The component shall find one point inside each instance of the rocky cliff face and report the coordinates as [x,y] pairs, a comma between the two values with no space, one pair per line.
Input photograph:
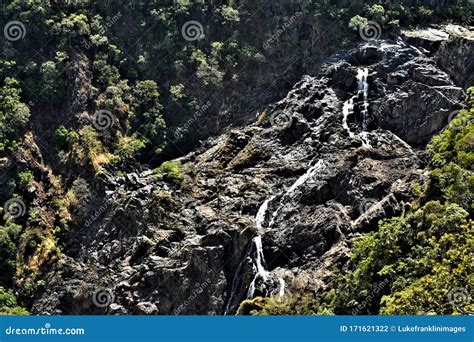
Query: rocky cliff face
[321,166]
[451,48]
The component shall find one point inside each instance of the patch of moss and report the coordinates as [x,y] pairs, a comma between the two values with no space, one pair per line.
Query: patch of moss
[170,171]
[25,178]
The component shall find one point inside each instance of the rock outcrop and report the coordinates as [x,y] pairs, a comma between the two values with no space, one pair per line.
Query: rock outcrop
[451,46]
[153,247]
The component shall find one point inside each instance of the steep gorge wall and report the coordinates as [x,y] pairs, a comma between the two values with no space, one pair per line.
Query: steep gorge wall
[159,248]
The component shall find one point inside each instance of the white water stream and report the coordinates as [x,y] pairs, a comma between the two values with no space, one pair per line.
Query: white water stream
[348,107]
[363,86]
[259,260]
[260,217]
[309,174]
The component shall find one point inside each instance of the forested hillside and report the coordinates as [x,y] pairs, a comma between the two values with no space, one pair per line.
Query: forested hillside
[139,141]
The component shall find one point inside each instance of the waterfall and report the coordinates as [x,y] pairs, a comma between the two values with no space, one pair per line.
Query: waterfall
[348,107]
[259,258]
[309,174]
[261,214]
[259,261]
[363,86]
[362,75]
[281,292]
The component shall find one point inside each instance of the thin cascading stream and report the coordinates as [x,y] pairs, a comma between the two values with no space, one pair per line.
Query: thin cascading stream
[259,258]
[309,174]
[363,86]
[261,215]
[348,107]
[260,218]
[259,261]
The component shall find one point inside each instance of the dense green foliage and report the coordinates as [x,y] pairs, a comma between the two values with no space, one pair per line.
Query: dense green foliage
[136,61]
[420,262]
[422,256]
[8,303]
[290,304]
[14,114]
[9,237]
[170,171]
[410,264]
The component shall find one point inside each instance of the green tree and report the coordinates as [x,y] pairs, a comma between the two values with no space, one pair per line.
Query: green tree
[424,257]
[148,120]
[8,303]
[14,114]
[357,22]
